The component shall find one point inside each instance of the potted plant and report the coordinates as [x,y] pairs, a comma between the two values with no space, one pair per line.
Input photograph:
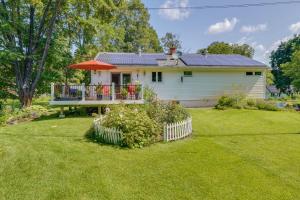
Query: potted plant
[124,93]
[99,89]
[138,89]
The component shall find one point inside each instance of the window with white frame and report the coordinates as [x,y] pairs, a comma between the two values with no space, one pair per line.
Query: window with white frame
[156,76]
[254,73]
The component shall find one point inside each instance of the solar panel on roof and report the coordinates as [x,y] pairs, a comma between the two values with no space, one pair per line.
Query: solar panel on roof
[188,59]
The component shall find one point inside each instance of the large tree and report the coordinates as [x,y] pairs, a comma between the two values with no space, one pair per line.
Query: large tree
[26,31]
[226,48]
[39,38]
[281,55]
[292,69]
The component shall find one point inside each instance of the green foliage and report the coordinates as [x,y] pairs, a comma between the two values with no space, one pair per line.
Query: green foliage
[166,112]
[240,102]
[124,93]
[138,129]
[11,113]
[292,69]
[270,78]
[170,40]
[281,55]
[84,28]
[226,48]
[233,101]
[265,105]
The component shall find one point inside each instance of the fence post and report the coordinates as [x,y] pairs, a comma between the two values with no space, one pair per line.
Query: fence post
[165,132]
[52,91]
[83,92]
[113,91]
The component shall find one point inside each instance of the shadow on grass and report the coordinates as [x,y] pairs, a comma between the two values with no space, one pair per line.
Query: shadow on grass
[90,137]
[55,116]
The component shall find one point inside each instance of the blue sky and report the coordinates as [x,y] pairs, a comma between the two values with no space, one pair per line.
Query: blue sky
[262,27]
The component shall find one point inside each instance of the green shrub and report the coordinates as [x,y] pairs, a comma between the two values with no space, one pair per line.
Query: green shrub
[264,105]
[234,101]
[251,102]
[166,112]
[239,102]
[138,128]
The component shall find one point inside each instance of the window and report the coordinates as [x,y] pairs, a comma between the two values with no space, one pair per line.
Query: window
[153,76]
[258,73]
[156,76]
[159,76]
[126,79]
[249,73]
[187,73]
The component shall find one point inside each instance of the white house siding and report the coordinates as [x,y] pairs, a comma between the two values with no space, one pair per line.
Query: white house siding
[203,88]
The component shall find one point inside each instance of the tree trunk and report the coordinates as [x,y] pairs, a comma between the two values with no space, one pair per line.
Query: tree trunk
[25,99]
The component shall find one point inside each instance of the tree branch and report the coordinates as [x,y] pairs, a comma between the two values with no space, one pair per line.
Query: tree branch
[41,25]
[47,45]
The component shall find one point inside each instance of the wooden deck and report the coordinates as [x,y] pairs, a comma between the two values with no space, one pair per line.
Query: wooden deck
[94,102]
[93,95]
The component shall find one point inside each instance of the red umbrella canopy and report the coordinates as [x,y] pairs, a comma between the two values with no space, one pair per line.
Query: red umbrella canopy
[93,65]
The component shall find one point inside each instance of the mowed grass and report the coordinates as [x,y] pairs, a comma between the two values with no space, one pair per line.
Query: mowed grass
[233,154]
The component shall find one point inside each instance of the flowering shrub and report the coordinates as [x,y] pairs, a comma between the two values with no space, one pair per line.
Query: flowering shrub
[138,128]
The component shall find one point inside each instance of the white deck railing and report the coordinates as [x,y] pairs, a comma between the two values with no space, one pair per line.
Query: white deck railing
[178,130]
[106,135]
[62,92]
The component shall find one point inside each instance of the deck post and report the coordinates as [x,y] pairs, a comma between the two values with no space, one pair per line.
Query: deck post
[113,91]
[61,115]
[52,91]
[83,92]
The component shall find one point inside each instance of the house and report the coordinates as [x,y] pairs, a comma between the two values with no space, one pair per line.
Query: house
[272,91]
[191,79]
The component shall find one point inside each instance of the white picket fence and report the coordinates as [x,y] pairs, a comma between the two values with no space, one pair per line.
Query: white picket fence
[107,135]
[178,130]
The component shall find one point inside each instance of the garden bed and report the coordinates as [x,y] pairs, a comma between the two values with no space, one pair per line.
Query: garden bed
[141,125]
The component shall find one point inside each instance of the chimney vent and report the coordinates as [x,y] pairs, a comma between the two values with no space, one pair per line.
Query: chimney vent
[172,50]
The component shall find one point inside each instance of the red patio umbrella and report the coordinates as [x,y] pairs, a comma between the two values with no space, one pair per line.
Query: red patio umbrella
[93,65]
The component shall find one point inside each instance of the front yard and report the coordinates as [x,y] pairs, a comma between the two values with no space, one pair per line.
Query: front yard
[233,154]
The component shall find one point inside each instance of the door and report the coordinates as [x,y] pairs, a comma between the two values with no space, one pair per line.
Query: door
[116,79]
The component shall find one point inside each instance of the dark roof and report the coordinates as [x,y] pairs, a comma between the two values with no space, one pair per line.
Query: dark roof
[130,58]
[151,59]
[272,89]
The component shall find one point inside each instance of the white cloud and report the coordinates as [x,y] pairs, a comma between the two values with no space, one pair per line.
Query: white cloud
[245,40]
[275,45]
[267,53]
[175,14]
[253,29]
[221,27]
[295,28]
[259,48]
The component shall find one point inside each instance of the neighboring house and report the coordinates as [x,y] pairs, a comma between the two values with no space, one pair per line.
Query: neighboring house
[272,91]
[191,79]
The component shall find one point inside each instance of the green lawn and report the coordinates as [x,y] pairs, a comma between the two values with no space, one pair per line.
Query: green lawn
[234,154]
